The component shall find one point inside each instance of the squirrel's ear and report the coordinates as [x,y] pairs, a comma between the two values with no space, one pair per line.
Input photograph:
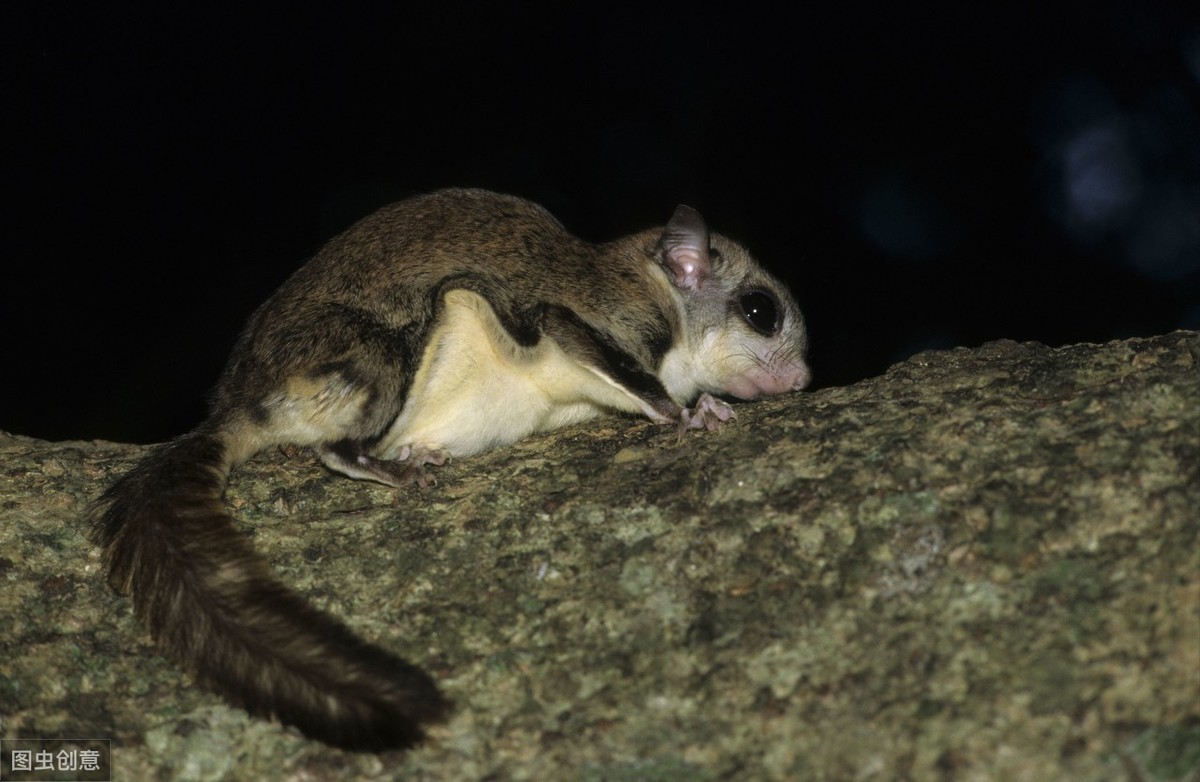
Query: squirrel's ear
[685,249]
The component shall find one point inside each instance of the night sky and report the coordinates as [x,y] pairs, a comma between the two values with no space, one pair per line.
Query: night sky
[923,175]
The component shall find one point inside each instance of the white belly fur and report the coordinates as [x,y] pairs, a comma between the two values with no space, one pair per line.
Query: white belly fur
[477,389]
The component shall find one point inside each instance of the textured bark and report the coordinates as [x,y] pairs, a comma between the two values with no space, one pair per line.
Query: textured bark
[982,565]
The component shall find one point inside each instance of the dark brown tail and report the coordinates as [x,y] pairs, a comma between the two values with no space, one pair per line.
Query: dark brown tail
[214,606]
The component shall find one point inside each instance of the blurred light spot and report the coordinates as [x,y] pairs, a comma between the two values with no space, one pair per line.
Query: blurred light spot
[1125,180]
[1101,176]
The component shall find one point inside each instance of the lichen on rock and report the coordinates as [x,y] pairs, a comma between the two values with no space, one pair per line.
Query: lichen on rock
[983,564]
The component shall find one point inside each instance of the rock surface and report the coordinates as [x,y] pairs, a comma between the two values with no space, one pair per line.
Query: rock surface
[983,564]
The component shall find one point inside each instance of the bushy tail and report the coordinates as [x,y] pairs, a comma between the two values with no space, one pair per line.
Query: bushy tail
[213,605]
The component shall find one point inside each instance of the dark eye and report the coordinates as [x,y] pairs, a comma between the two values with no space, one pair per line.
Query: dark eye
[761,311]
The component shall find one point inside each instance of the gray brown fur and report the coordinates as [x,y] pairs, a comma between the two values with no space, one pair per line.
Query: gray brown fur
[331,361]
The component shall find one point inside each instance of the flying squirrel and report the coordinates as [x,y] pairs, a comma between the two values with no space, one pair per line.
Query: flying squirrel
[437,327]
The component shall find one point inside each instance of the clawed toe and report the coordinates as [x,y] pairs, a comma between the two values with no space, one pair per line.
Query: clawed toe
[413,468]
[709,413]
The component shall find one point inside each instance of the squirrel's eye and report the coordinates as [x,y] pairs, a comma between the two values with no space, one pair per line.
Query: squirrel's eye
[761,311]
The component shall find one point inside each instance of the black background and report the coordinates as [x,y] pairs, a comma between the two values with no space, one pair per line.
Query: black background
[922,174]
